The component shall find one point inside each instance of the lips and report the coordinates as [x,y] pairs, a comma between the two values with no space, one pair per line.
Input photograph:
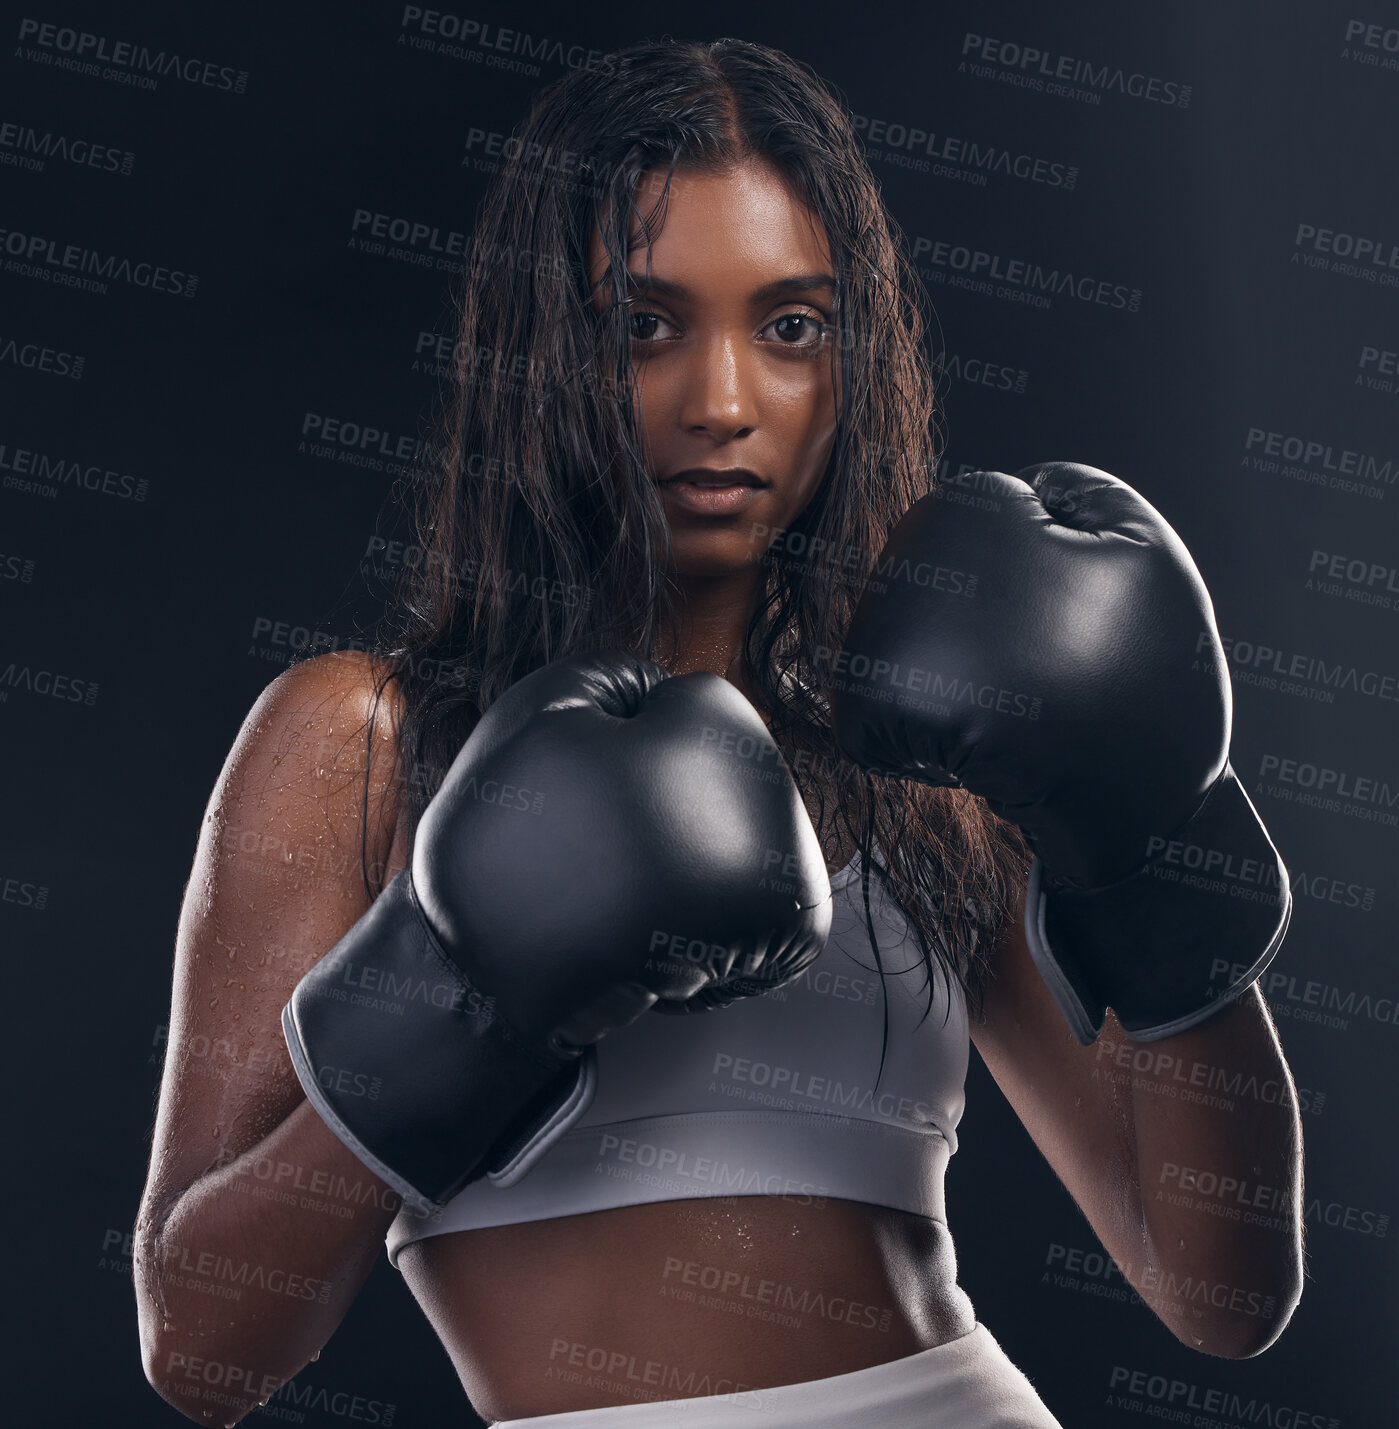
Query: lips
[711,478]
[706,492]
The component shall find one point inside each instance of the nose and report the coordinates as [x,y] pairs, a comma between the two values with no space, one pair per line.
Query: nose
[720,396]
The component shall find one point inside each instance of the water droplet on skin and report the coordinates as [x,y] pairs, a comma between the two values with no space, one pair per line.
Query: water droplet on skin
[213,1002]
[316,1356]
[218,1131]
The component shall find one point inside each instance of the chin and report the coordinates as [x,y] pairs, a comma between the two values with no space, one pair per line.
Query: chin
[718,554]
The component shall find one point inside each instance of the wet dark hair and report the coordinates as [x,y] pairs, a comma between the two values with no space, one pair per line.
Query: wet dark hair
[539,530]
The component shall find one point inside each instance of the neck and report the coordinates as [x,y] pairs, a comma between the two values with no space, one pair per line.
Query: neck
[712,615]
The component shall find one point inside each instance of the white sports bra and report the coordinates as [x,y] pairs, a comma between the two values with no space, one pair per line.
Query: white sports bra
[772,1095]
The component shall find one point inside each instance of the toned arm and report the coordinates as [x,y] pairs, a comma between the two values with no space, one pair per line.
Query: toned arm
[247,1190]
[1159,1143]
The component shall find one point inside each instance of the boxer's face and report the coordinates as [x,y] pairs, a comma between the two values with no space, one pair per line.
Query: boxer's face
[734,368]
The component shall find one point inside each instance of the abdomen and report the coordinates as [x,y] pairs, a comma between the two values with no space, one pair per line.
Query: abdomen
[675,1299]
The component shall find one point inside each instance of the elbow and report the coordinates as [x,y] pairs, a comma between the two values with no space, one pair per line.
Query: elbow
[1253,1324]
[1234,1339]
[202,1386]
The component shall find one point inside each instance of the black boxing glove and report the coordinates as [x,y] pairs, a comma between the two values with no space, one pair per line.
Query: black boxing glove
[1066,666]
[600,843]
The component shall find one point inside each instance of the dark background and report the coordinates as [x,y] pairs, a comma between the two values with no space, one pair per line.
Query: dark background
[161,598]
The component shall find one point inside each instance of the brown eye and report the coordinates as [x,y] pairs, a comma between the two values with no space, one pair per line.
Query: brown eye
[642,326]
[799,330]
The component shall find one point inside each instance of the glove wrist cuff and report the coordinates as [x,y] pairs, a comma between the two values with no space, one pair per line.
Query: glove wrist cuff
[415,1069]
[1173,943]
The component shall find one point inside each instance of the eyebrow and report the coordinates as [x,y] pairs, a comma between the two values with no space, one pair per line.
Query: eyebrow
[638,283]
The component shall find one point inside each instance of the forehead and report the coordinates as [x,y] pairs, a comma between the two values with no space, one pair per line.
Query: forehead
[742,221]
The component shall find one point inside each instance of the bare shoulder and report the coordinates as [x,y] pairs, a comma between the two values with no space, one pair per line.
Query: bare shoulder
[335,696]
[308,802]
[319,749]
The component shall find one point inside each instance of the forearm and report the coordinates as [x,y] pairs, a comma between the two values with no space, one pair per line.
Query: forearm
[244,1277]
[1218,1172]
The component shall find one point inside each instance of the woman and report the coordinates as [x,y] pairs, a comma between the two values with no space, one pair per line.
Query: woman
[690,405]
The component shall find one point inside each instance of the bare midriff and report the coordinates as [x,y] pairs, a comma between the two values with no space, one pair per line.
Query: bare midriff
[680,1298]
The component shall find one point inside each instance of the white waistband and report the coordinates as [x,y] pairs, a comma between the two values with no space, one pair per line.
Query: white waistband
[968,1383]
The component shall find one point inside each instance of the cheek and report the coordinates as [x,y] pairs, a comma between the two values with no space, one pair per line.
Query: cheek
[807,401]
[653,404]
[809,420]
[817,440]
